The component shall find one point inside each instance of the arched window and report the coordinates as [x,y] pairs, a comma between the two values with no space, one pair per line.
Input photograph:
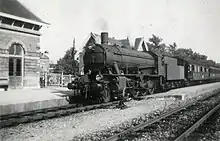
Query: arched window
[16,53]
[16,49]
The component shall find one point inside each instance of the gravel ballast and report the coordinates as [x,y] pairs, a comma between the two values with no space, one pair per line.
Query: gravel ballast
[209,131]
[67,128]
[171,127]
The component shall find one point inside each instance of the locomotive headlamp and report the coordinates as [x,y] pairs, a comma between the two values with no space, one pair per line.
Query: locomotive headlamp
[98,77]
[73,79]
[90,47]
[99,85]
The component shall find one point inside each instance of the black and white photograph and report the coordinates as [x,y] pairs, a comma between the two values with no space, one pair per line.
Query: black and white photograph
[109,70]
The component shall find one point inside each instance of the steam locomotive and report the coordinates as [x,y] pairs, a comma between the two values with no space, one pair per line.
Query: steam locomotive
[112,71]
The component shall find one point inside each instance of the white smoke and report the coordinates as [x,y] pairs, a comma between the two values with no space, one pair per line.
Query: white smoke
[101,24]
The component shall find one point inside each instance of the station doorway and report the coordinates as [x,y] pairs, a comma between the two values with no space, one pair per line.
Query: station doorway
[16,67]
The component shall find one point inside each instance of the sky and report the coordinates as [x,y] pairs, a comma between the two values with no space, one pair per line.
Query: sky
[190,23]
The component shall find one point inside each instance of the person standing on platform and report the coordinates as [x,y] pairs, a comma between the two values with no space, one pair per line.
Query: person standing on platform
[122,85]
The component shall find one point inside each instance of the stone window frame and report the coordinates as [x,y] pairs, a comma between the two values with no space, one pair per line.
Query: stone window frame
[15,41]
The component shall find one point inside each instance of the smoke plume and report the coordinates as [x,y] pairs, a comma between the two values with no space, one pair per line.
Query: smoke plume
[101,24]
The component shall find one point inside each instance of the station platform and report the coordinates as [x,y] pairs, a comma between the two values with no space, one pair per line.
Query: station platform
[188,92]
[13,101]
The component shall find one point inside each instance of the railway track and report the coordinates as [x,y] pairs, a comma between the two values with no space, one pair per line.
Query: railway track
[190,130]
[209,130]
[48,113]
[173,125]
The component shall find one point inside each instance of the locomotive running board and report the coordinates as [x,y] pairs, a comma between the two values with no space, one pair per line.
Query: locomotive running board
[131,75]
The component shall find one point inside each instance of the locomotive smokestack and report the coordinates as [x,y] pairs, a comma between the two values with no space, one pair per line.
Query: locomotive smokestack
[104,38]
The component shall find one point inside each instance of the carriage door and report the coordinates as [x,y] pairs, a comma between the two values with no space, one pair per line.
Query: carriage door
[15,66]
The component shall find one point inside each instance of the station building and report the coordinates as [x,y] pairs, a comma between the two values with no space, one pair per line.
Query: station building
[19,45]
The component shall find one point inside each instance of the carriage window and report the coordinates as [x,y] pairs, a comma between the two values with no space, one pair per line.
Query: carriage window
[190,67]
[193,68]
[201,70]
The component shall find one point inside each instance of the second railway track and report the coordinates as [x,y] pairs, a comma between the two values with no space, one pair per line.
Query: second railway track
[170,125]
[194,126]
[209,130]
[41,114]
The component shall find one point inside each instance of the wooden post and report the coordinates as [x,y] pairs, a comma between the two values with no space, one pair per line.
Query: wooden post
[45,79]
[62,79]
[70,78]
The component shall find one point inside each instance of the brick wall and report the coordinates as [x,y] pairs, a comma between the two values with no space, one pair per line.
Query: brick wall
[31,62]
[31,73]
[44,65]
[4,67]
[29,41]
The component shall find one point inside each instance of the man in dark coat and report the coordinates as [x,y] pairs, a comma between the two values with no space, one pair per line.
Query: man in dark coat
[122,87]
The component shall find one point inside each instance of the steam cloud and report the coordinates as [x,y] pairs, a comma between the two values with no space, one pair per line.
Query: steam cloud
[101,24]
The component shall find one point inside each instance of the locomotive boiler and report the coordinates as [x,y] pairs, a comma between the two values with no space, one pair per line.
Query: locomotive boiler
[116,58]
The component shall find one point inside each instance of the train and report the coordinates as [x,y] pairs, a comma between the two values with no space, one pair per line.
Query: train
[111,71]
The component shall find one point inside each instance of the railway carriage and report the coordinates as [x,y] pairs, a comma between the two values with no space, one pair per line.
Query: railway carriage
[197,71]
[111,71]
[214,73]
[200,72]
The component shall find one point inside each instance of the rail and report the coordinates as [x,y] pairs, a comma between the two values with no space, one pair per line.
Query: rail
[197,124]
[41,114]
[150,122]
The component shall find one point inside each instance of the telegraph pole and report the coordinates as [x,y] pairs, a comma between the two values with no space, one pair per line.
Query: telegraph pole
[73,50]
[73,55]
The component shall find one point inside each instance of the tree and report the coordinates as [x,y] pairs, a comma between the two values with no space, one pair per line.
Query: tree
[188,53]
[155,40]
[185,53]
[155,44]
[203,57]
[68,64]
[198,56]
[172,48]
